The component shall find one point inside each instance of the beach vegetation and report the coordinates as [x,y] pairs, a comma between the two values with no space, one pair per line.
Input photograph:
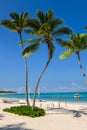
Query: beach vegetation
[26,111]
[7,91]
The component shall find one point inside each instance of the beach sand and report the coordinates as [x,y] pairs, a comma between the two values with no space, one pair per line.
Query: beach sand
[58,117]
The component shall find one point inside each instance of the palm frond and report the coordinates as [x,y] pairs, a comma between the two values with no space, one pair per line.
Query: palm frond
[31,31]
[30,49]
[84,46]
[55,22]
[49,15]
[31,40]
[79,41]
[83,43]
[23,19]
[66,54]
[33,24]
[86,27]
[68,44]
[62,30]
[44,29]
[24,15]
[60,42]
[83,36]
[41,16]
[8,24]
[14,16]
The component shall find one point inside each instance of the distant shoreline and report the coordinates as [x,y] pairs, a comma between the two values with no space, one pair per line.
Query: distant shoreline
[7,92]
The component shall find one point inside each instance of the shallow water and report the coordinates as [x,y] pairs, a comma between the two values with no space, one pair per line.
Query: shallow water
[64,96]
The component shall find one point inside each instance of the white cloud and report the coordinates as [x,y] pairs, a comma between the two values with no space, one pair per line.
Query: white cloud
[21,89]
[74,84]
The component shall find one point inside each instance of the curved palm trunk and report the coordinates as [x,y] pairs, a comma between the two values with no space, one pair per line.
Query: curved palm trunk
[81,67]
[38,81]
[26,82]
[26,71]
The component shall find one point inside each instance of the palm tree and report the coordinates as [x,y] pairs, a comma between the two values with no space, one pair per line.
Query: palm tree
[17,24]
[47,29]
[76,44]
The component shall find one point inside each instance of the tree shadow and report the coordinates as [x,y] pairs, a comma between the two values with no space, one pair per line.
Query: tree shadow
[84,109]
[75,113]
[1,116]
[14,127]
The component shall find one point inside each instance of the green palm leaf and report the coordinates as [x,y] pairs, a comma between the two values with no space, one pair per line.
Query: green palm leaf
[55,22]
[66,54]
[17,22]
[59,41]
[83,35]
[62,30]
[31,40]
[33,24]
[30,49]
[49,15]
[85,27]
[14,15]
[84,46]
[41,16]
[9,24]
[16,19]
[44,29]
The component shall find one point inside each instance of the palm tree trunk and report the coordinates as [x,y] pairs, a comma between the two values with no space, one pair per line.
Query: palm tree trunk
[26,71]
[81,67]
[38,81]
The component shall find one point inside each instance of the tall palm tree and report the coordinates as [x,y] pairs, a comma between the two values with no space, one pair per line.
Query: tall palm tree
[17,23]
[76,44]
[47,29]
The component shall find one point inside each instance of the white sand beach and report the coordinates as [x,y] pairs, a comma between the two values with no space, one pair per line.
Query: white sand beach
[56,118]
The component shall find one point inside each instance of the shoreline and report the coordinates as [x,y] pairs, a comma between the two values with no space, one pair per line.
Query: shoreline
[41,100]
[43,103]
[55,96]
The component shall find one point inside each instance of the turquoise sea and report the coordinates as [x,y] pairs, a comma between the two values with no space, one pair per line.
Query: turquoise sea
[63,96]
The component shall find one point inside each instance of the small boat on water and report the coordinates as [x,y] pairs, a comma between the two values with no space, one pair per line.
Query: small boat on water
[76,96]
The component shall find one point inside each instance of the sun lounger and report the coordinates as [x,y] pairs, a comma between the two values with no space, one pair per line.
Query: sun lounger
[10,100]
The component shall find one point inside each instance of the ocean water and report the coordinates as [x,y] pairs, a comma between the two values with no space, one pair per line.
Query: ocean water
[64,96]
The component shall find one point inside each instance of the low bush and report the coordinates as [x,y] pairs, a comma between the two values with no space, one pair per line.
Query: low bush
[26,110]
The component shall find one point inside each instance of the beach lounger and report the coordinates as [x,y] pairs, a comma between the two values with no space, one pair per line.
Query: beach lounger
[10,100]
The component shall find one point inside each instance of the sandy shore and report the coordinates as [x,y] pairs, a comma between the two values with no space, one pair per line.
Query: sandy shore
[58,117]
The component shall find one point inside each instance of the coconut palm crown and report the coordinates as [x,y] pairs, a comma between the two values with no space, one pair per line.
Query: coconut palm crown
[16,24]
[47,28]
[75,44]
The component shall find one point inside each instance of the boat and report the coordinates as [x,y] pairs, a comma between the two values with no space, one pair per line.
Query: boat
[76,96]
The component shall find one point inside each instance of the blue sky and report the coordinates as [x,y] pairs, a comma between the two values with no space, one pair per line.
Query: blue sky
[60,76]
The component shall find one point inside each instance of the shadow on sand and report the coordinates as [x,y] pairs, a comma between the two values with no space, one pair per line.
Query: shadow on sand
[75,113]
[1,116]
[14,127]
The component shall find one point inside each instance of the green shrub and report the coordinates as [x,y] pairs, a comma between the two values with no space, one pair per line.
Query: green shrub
[26,110]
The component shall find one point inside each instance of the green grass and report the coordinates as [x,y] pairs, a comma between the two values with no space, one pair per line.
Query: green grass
[25,110]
